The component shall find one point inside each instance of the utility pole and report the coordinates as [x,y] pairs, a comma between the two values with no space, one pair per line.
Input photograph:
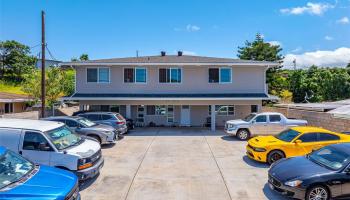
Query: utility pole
[295,64]
[43,44]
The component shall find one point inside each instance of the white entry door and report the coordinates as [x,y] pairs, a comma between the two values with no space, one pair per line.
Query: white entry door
[185,115]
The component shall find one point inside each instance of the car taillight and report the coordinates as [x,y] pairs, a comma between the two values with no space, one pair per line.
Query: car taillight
[120,123]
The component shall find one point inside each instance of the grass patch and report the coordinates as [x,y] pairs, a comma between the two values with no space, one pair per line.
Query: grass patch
[10,88]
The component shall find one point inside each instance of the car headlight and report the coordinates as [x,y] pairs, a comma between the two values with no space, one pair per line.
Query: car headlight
[84,163]
[231,126]
[294,183]
[109,132]
[257,149]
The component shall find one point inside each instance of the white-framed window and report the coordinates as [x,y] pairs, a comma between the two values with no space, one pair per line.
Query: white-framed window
[135,75]
[156,110]
[220,75]
[98,75]
[170,75]
[223,110]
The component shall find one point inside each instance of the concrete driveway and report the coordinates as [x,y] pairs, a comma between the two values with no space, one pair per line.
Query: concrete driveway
[178,163]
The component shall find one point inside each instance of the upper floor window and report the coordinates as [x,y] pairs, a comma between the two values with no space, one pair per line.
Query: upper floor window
[135,75]
[220,75]
[98,75]
[170,75]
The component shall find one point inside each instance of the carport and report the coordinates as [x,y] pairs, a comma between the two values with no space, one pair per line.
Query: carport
[175,109]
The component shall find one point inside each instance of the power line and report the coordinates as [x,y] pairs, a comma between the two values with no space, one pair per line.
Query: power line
[52,57]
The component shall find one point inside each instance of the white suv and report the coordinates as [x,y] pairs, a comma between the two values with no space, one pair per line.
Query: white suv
[53,144]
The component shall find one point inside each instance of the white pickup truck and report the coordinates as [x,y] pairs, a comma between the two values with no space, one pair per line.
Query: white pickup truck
[266,123]
[53,144]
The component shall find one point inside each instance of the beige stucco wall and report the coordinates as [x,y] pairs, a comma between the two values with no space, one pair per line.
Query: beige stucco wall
[245,79]
[198,114]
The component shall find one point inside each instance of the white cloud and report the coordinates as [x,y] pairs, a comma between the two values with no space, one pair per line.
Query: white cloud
[189,53]
[329,38]
[344,20]
[310,8]
[298,49]
[192,28]
[275,43]
[337,58]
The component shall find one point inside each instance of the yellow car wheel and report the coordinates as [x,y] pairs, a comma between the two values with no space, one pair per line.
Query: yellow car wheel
[275,155]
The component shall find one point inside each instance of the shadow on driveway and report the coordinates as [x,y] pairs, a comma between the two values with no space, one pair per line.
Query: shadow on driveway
[85,184]
[173,131]
[270,194]
[254,163]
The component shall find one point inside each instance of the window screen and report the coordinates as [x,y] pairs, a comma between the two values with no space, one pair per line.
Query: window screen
[92,75]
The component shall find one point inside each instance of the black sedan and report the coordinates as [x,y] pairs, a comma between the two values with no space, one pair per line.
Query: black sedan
[321,175]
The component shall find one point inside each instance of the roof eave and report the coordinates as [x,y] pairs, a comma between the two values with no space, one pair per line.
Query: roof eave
[264,64]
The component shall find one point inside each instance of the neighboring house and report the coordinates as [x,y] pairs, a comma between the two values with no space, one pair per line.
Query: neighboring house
[172,89]
[48,63]
[13,103]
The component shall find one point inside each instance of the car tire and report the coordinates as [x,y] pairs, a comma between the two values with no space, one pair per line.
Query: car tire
[243,134]
[318,191]
[275,155]
[96,138]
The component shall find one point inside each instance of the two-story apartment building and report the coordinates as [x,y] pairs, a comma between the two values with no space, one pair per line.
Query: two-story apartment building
[172,90]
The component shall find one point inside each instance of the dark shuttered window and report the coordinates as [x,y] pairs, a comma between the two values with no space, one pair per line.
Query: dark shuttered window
[129,75]
[92,75]
[213,75]
[162,75]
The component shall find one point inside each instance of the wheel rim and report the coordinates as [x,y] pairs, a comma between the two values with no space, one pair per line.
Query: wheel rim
[243,134]
[275,157]
[318,193]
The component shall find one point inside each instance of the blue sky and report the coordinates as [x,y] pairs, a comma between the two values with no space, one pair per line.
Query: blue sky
[115,28]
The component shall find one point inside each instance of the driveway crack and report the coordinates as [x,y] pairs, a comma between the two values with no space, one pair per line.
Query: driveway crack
[216,162]
[138,168]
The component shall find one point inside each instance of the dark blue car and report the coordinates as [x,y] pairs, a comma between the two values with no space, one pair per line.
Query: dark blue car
[322,175]
[21,179]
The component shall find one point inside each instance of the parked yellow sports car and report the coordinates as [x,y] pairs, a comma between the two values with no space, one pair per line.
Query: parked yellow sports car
[296,141]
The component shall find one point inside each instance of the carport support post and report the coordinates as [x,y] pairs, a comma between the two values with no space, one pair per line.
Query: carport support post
[212,117]
[128,111]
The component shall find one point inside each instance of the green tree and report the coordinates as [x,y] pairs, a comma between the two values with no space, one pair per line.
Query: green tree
[84,57]
[263,51]
[56,84]
[15,60]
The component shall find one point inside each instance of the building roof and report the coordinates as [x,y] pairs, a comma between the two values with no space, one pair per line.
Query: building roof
[9,97]
[39,125]
[340,109]
[167,96]
[172,59]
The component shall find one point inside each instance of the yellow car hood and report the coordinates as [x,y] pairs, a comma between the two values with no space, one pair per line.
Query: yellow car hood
[262,141]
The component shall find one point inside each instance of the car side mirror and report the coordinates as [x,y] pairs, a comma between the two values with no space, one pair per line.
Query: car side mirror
[298,141]
[254,121]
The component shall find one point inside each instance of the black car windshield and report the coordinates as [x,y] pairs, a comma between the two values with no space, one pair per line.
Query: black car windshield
[63,137]
[330,157]
[13,168]
[287,135]
[86,123]
[249,117]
